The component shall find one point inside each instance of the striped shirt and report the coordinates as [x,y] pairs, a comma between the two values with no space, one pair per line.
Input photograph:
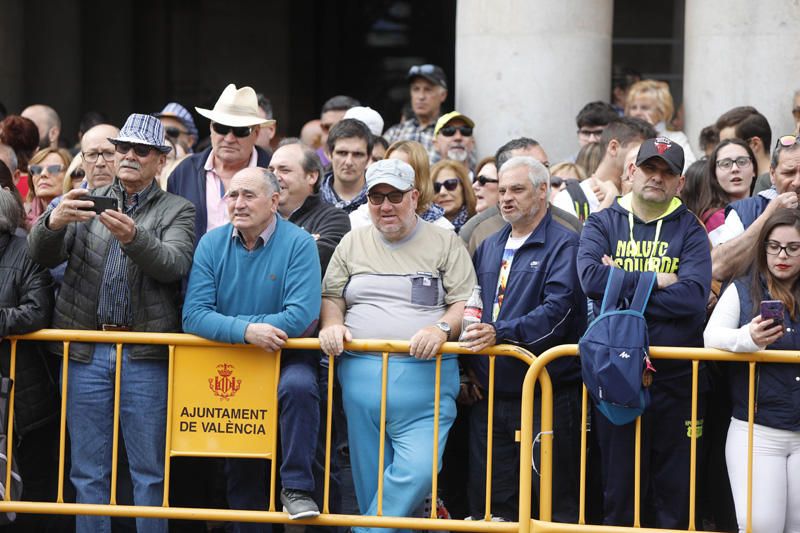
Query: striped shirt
[114,304]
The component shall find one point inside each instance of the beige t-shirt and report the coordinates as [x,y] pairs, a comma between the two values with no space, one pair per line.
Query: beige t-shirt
[392,290]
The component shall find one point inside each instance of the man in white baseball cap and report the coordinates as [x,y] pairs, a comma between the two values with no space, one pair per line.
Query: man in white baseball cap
[203,178]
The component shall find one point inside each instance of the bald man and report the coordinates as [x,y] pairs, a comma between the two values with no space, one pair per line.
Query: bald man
[48,123]
[98,155]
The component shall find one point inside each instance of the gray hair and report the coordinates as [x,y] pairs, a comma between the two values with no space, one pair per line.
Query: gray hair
[270,181]
[779,149]
[11,156]
[537,172]
[11,213]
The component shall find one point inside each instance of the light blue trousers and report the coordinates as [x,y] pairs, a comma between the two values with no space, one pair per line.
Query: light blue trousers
[408,452]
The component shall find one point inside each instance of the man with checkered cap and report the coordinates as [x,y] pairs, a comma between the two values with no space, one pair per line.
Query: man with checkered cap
[179,125]
[650,230]
[124,272]
[399,278]
[203,178]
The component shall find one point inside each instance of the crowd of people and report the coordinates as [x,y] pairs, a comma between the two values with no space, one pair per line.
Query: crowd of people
[354,231]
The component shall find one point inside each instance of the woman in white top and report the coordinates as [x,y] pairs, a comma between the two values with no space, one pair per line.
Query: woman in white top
[737,325]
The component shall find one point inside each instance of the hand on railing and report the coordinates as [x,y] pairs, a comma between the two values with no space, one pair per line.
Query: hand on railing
[427,342]
[332,339]
[266,336]
[478,337]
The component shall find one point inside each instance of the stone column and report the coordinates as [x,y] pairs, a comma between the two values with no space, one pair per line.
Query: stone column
[741,53]
[526,68]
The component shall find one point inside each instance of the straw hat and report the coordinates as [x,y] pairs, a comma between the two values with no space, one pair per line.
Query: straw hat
[236,107]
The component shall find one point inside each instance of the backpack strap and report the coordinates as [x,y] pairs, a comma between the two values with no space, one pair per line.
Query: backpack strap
[644,288]
[613,287]
[579,200]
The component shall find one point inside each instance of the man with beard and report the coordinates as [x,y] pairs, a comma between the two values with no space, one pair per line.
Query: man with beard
[453,140]
[47,122]
[532,298]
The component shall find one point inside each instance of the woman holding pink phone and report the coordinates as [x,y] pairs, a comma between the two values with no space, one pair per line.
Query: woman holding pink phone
[739,323]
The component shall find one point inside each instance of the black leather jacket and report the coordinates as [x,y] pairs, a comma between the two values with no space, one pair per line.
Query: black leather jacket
[26,304]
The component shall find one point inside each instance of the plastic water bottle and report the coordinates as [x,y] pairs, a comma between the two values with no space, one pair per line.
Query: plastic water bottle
[473,311]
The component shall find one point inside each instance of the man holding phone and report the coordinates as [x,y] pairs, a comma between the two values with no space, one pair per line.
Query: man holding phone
[124,272]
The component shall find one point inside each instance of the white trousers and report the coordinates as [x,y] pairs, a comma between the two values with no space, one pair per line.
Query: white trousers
[776,477]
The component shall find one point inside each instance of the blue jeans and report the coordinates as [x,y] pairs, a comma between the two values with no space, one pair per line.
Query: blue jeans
[298,399]
[90,419]
[408,453]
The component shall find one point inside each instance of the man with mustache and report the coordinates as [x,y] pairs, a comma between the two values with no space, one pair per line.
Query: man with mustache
[124,272]
[650,230]
[453,139]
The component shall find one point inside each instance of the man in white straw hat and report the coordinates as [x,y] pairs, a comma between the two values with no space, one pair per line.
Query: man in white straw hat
[124,269]
[203,178]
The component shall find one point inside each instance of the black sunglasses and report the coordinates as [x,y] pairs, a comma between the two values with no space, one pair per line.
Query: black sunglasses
[238,131]
[142,150]
[377,198]
[174,132]
[449,184]
[78,173]
[555,181]
[483,180]
[449,131]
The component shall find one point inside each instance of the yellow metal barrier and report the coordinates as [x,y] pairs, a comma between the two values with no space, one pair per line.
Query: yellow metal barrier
[181,445]
[537,372]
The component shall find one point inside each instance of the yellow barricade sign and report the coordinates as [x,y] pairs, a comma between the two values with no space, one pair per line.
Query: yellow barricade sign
[224,401]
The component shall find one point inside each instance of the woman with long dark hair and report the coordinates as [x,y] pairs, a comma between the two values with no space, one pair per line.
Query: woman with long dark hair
[738,324]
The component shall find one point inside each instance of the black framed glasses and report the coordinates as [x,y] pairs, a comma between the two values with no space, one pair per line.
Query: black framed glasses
[483,180]
[449,131]
[141,150]
[792,249]
[174,132]
[449,184]
[91,157]
[741,162]
[35,170]
[377,198]
[238,131]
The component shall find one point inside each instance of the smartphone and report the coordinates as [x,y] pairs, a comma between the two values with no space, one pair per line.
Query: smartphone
[772,309]
[101,203]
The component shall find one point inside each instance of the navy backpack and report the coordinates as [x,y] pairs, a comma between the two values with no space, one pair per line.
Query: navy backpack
[614,351]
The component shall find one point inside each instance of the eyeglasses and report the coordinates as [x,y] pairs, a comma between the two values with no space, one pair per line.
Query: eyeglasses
[35,170]
[796,112]
[483,180]
[792,249]
[174,132]
[77,174]
[449,131]
[238,131]
[395,197]
[91,157]
[449,184]
[141,150]
[416,70]
[740,162]
[788,140]
[590,133]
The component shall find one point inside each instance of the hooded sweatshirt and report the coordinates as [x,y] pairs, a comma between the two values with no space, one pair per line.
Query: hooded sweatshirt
[673,243]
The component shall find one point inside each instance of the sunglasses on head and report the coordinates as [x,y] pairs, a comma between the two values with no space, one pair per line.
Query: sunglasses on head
[142,150]
[377,198]
[421,69]
[51,169]
[174,132]
[449,131]
[788,140]
[483,180]
[449,184]
[238,131]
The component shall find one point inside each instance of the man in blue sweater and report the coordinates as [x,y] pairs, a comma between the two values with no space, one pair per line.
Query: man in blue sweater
[531,297]
[650,230]
[256,280]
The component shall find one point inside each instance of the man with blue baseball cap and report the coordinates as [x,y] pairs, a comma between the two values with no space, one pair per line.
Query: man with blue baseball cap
[179,125]
[124,272]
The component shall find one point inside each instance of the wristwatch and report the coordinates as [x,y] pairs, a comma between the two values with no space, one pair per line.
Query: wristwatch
[444,326]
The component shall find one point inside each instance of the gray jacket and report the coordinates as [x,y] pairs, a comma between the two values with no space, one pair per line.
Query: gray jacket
[159,257]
